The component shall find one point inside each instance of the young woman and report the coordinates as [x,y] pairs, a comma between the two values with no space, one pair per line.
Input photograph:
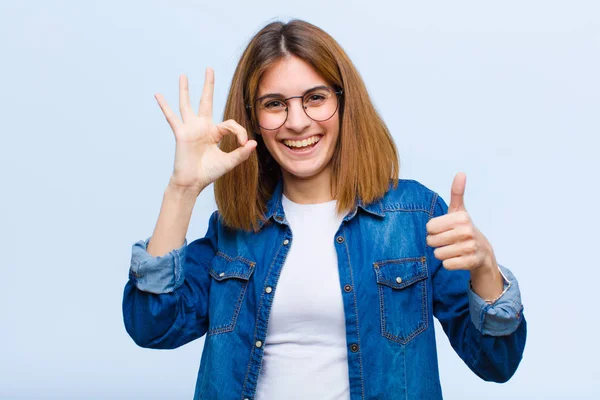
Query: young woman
[321,271]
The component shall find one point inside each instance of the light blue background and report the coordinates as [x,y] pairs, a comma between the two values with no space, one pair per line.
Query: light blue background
[508,92]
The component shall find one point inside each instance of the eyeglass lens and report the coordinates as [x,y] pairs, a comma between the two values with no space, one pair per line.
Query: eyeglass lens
[319,104]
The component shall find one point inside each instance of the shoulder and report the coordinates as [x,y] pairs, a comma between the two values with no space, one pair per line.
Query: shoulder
[409,195]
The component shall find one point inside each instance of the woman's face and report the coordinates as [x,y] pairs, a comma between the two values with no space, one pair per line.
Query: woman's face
[293,77]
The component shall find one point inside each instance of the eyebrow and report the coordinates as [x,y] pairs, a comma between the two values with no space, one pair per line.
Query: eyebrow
[279,95]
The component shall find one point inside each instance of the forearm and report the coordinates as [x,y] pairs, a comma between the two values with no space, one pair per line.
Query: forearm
[173,220]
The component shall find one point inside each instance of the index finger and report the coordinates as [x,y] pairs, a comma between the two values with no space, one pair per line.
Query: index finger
[440,224]
[206,101]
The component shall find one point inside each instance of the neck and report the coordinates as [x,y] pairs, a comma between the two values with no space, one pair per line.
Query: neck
[313,190]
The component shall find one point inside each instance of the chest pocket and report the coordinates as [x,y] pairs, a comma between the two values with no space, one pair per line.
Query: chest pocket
[227,290]
[402,289]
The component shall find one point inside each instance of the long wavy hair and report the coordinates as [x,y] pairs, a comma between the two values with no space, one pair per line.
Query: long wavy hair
[365,157]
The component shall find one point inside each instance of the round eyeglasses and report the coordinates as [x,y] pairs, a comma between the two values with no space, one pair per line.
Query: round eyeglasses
[319,104]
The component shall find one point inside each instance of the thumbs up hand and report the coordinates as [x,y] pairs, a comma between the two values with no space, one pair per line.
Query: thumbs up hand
[458,243]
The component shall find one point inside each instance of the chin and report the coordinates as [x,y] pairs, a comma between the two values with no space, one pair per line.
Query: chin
[304,173]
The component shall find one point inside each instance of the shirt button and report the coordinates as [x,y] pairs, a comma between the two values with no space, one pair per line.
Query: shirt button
[258,343]
[222,274]
[340,239]
[398,279]
[279,219]
[354,347]
[268,289]
[286,242]
[348,288]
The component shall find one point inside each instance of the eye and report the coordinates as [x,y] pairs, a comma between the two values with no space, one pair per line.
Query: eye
[274,105]
[315,99]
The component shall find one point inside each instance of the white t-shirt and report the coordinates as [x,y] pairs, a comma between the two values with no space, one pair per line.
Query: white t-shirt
[305,351]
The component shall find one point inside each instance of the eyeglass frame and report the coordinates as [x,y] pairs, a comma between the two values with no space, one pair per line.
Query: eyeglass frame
[338,93]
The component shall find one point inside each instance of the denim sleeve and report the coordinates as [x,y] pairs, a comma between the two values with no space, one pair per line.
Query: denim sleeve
[165,300]
[490,339]
[156,274]
[503,316]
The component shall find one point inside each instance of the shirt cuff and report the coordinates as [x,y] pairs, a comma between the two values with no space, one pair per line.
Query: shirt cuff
[157,275]
[502,316]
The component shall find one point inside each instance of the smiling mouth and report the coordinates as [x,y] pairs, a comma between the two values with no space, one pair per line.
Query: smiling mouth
[302,144]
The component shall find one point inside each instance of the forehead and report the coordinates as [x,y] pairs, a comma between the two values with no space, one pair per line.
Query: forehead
[290,76]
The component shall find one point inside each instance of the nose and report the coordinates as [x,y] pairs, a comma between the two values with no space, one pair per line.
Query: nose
[297,120]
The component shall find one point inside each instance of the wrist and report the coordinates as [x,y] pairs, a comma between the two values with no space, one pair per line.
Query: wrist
[182,193]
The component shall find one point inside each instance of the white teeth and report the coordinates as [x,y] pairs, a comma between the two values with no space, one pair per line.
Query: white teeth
[303,143]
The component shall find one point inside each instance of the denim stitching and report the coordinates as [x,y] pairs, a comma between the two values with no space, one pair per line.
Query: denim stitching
[399,260]
[229,327]
[404,369]
[222,328]
[433,203]
[381,304]
[177,267]
[242,276]
[398,207]
[256,324]
[420,278]
[362,380]
[229,258]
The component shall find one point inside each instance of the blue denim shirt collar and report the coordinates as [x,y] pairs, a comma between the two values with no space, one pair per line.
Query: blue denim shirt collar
[275,207]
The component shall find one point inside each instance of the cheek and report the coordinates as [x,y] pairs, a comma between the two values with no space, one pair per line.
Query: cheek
[332,127]
[269,141]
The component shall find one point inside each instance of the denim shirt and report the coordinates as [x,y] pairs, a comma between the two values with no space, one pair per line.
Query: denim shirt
[392,286]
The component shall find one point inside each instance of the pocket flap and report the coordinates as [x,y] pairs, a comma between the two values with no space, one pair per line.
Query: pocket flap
[400,273]
[224,267]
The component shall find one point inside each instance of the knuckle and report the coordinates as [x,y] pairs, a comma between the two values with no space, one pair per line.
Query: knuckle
[470,231]
[473,260]
[472,247]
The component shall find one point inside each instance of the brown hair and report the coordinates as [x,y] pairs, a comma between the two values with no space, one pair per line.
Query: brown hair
[365,157]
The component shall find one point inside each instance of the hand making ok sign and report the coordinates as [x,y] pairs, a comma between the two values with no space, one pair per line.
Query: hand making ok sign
[198,159]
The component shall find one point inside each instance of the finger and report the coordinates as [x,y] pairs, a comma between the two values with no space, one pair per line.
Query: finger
[231,126]
[185,107]
[460,249]
[447,222]
[457,202]
[166,110]
[241,154]
[448,237]
[464,262]
[206,101]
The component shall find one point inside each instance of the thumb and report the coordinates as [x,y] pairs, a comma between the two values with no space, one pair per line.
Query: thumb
[457,201]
